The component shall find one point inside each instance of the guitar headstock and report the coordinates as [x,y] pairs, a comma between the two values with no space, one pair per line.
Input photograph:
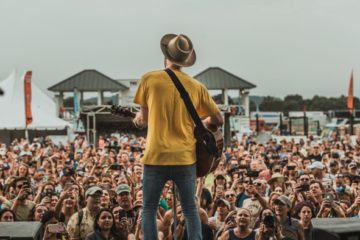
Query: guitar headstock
[121,111]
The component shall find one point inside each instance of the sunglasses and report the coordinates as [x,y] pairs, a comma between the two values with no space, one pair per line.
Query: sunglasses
[229,195]
[304,179]
[247,182]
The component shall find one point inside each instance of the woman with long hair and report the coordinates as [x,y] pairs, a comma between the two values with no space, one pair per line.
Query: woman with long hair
[105,227]
[7,215]
[23,170]
[305,211]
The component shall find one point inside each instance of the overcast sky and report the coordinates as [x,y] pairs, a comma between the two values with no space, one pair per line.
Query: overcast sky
[285,47]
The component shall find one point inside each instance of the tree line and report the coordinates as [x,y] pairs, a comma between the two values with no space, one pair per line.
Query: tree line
[298,103]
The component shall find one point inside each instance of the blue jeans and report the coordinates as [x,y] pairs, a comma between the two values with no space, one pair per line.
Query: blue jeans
[154,180]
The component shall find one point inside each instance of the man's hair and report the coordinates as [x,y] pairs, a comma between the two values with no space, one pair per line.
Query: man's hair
[18,179]
[173,64]
[318,182]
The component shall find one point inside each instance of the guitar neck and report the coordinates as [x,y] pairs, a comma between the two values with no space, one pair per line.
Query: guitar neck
[122,111]
[132,114]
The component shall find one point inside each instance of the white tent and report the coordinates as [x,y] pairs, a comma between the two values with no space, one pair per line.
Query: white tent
[12,110]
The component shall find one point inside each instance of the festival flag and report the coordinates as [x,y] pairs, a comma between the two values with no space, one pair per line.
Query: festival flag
[76,103]
[350,100]
[27,94]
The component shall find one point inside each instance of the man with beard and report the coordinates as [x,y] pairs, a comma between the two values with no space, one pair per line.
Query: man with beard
[21,205]
[242,231]
[124,199]
[82,223]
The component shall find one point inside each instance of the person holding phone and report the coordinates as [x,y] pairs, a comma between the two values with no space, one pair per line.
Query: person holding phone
[124,199]
[20,205]
[53,229]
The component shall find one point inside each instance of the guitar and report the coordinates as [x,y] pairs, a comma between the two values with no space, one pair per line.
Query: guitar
[206,162]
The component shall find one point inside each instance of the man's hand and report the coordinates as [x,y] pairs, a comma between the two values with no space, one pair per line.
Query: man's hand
[23,193]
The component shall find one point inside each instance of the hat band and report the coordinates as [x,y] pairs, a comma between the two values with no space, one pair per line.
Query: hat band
[178,55]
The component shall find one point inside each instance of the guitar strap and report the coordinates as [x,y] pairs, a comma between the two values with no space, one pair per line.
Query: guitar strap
[188,103]
[202,133]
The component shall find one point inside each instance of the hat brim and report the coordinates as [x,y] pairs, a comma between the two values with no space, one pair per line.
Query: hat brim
[92,193]
[163,45]
[279,201]
[123,191]
[276,179]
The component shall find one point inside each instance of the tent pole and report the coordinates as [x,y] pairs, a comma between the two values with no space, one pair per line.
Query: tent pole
[26,133]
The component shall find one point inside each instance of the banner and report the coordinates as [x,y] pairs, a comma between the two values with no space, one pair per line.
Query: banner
[76,104]
[27,94]
[350,100]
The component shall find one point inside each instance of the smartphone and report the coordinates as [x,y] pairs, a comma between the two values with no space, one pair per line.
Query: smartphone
[329,198]
[253,174]
[56,228]
[269,221]
[122,214]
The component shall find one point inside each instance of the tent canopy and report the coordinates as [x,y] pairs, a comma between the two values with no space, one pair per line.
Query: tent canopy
[13,109]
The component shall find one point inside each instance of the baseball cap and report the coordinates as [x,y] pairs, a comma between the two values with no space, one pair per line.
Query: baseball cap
[227,204]
[317,165]
[92,190]
[23,153]
[352,165]
[122,188]
[284,200]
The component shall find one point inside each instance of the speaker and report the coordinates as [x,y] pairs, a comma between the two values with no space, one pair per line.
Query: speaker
[336,228]
[20,230]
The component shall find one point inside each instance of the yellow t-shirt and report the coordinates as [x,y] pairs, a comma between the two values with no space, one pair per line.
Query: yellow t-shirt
[170,137]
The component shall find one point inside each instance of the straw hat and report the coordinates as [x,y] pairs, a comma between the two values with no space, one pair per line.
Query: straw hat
[178,49]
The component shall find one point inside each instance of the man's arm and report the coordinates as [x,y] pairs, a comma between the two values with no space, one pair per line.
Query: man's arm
[141,118]
[216,119]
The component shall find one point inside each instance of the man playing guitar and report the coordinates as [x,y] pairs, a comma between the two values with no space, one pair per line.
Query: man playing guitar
[170,148]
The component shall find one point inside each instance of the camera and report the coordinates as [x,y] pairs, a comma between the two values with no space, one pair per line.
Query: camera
[290,167]
[122,214]
[269,221]
[304,188]
[329,198]
[48,194]
[252,174]
[26,185]
[115,167]
[68,172]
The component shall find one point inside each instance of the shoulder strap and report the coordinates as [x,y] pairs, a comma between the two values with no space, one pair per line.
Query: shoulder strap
[188,103]
[80,218]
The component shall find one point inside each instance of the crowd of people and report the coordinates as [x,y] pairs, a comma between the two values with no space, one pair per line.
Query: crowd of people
[259,191]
